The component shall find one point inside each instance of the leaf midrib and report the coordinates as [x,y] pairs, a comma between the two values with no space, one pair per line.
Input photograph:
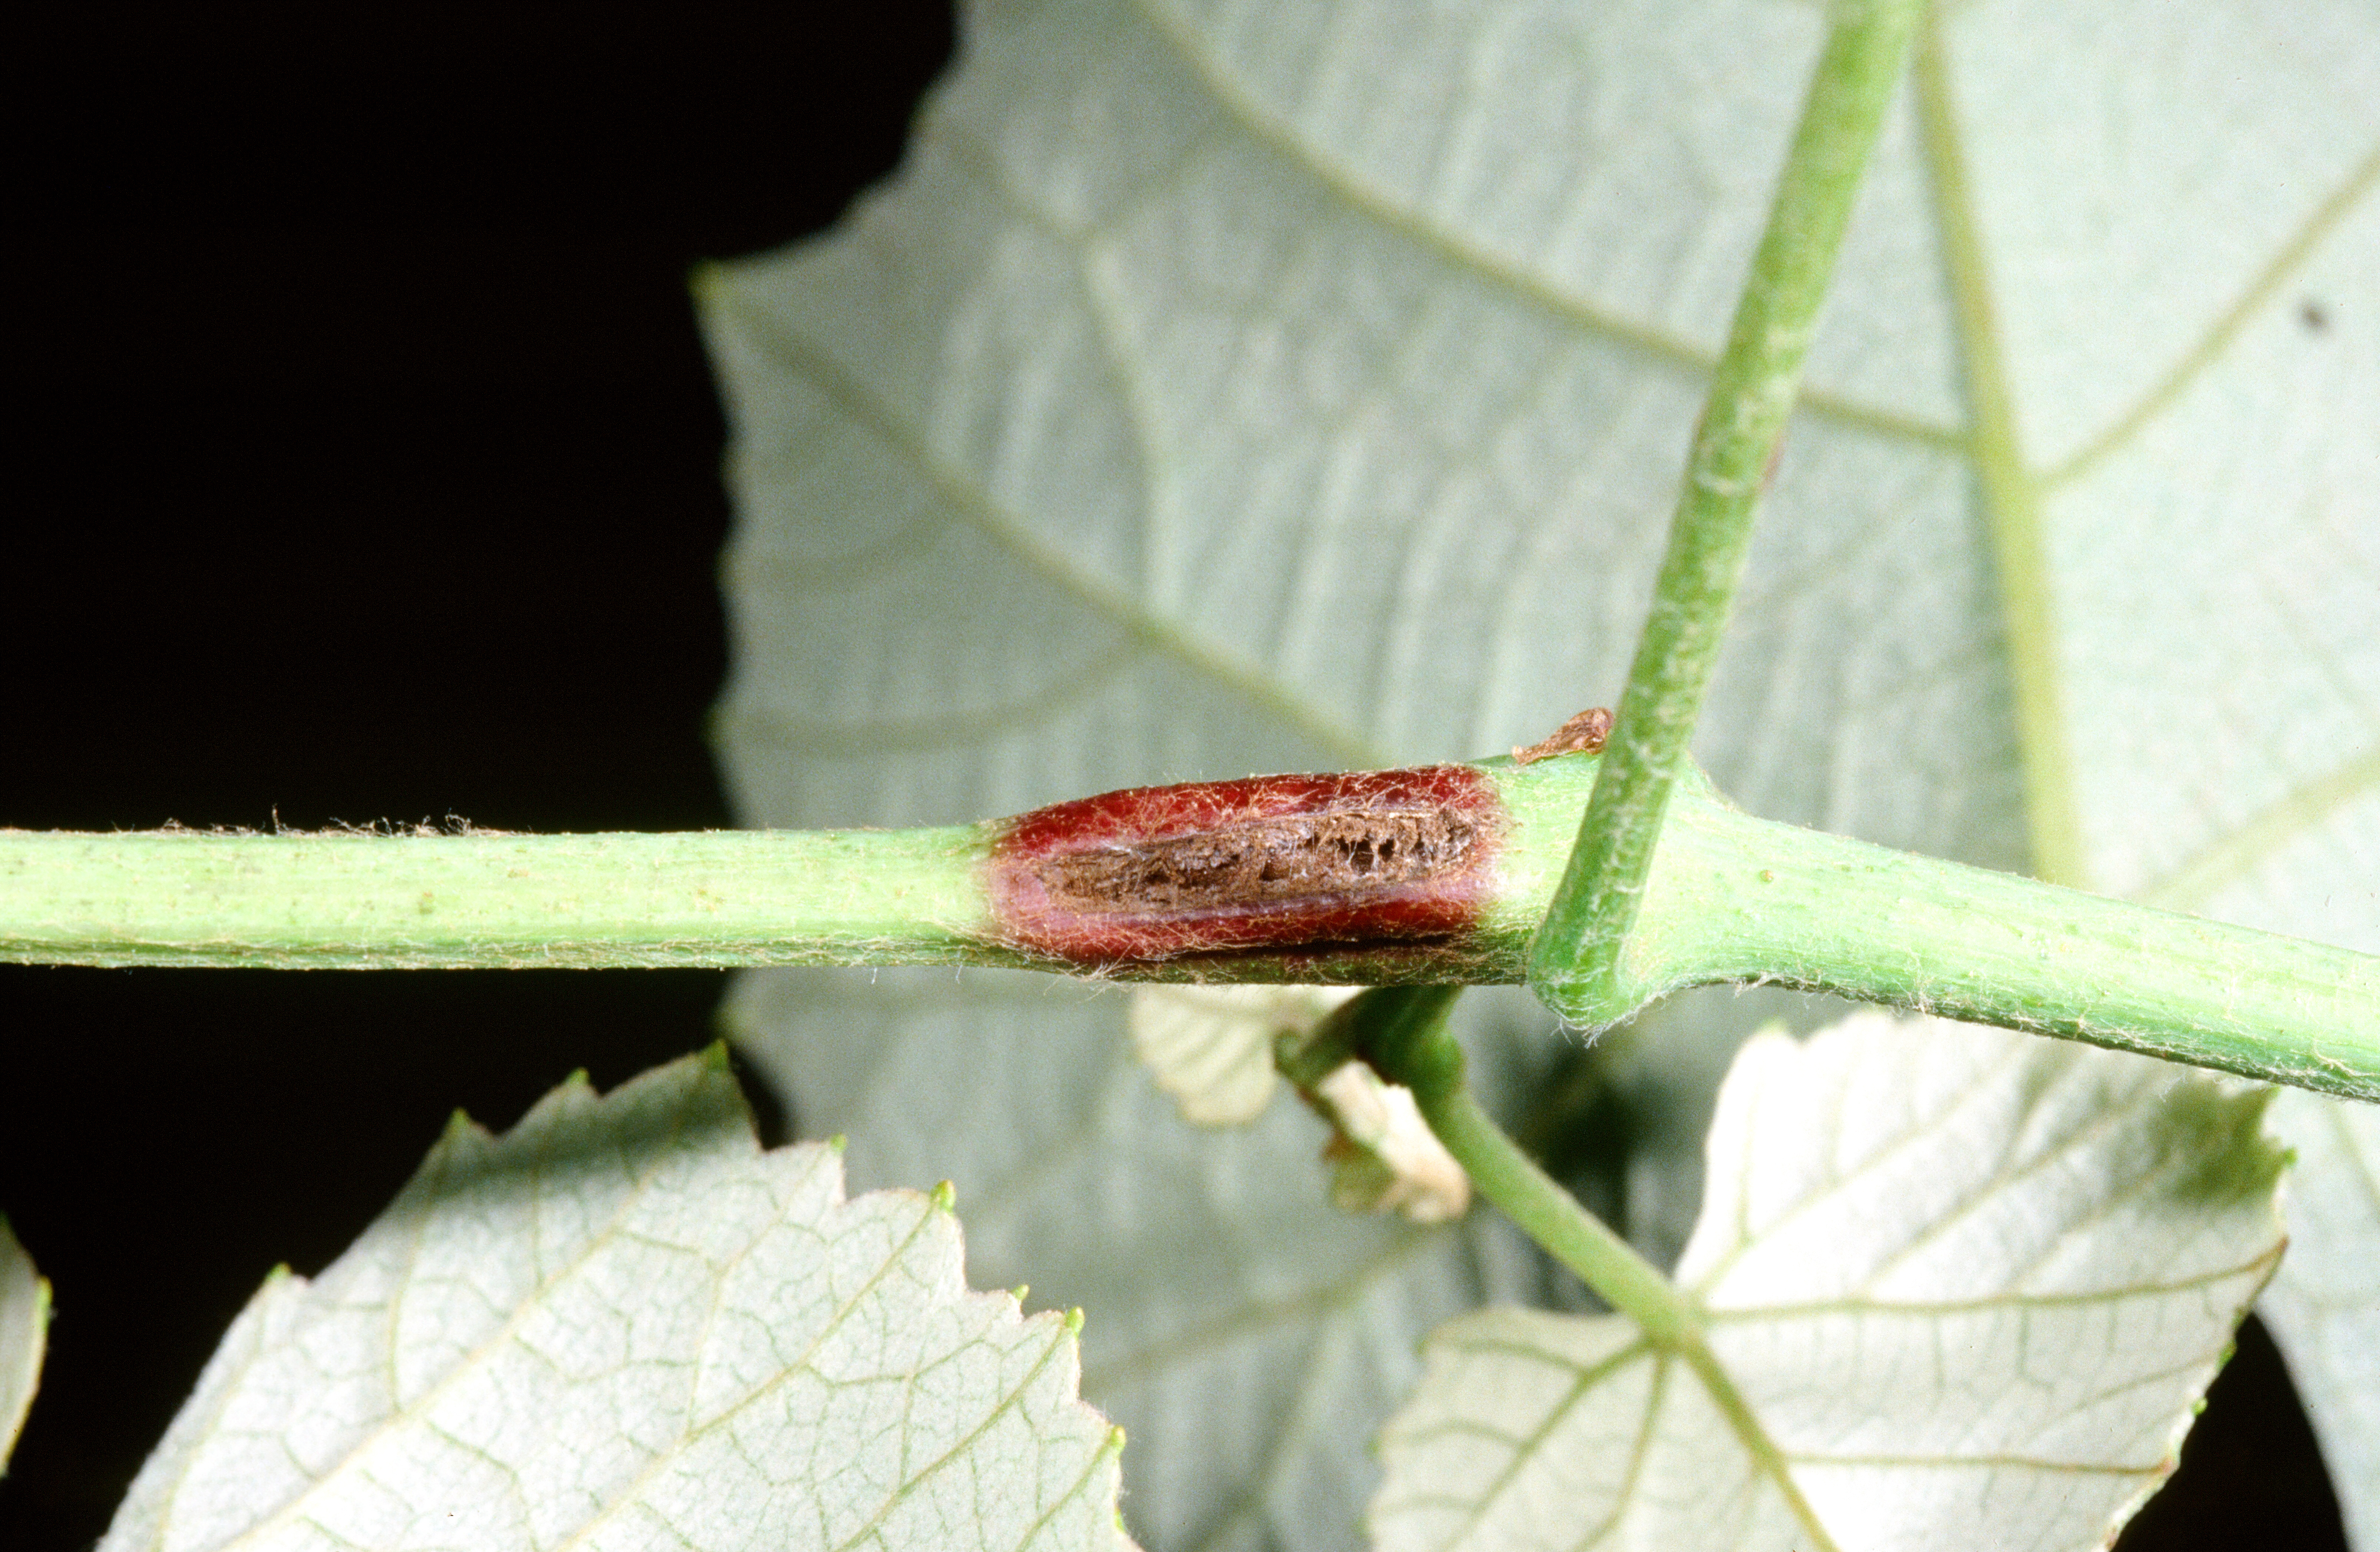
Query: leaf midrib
[2011,498]
[972,504]
[1277,135]
[2013,495]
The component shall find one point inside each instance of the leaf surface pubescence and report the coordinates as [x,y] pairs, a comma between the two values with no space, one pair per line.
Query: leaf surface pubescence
[1261,863]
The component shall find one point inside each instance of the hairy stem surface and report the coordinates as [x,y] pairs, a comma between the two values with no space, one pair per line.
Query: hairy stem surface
[1575,963]
[364,901]
[1730,898]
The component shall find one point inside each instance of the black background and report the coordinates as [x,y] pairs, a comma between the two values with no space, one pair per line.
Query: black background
[363,464]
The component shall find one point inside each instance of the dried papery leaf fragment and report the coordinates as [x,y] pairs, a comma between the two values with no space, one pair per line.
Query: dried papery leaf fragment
[1210,1047]
[1582,735]
[1383,1157]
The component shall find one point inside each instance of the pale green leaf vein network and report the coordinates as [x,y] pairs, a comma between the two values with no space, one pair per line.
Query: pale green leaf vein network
[1845,552]
[1759,1442]
[2014,496]
[1812,1395]
[910,1479]
[2105,1120]
[907,1270]
[750,564]
[1584,1378]
[2102,1121]
[278,1282]
[1107,309]
[1087,1482]
[416,1410]
[1107,313]
[532,1303]
[1978,1092]
[2011,498]
[1269,130]
[969,150]
[973,506]
[2252,300]
[394,1367]
[1972,1463]
[1638,1448]
[2237,854]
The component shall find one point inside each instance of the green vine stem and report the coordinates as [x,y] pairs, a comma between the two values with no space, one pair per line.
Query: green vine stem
[361,900]
[1575,963]
[1730,898]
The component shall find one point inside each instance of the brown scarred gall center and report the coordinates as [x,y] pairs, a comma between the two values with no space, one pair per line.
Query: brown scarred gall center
[1265,863]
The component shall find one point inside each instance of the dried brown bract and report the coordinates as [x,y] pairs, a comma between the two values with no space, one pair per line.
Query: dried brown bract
[1582,735]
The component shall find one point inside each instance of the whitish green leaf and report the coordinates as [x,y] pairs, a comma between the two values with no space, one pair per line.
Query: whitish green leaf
[1227,387]
[1248,1334]
[24,1332]
[2325,1305]
[1211,1047]
[1965,1288]
[622,1325]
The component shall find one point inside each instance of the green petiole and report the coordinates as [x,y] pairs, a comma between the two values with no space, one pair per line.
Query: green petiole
[1576,962]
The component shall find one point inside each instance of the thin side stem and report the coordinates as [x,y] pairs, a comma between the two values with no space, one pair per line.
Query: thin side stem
[1406,1040]
[1575,961]
[1417,1051]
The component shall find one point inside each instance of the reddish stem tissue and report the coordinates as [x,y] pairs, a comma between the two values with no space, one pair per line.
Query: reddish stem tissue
[1269,863]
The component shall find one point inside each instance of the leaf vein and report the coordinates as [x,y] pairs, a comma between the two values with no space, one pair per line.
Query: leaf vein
[2287,260]
[1269,130]
[969,502]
